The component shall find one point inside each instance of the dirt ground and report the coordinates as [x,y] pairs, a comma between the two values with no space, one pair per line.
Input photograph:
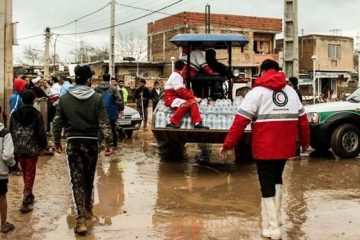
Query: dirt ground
[139,196]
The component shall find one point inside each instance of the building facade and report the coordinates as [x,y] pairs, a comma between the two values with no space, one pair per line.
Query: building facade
[333,59]
[259,31]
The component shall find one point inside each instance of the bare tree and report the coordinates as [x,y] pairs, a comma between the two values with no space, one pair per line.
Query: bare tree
[89,53]
[33,55]
[131,46]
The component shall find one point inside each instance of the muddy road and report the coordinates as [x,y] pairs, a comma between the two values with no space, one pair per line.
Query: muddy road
[138,196]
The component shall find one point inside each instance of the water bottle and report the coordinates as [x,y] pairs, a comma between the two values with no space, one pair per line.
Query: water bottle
[210,120]
[215,121]
[222,121]
[204,119]
[187,122]
[230,120]
[157,119]
[167,117]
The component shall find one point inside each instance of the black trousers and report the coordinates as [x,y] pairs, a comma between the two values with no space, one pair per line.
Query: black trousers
[269,173]
[82,158]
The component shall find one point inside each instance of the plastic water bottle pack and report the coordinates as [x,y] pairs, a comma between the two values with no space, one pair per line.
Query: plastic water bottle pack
[217,115]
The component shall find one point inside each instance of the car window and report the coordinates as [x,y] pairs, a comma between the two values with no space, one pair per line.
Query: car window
[354,97]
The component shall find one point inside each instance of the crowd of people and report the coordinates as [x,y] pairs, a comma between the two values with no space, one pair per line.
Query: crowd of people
[59,108]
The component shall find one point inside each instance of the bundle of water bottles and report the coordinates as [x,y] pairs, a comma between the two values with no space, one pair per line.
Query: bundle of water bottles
[217,114]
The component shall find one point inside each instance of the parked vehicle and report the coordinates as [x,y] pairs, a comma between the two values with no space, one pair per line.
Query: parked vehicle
[221,97]
[336,125]
[129,122]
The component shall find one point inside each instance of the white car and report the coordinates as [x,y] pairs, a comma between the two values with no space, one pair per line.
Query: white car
[336,125]
[129,122]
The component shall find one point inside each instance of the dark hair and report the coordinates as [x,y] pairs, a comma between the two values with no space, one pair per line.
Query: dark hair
[113,78]
[143,81]
[82,74]
[28,97]
[54,79]
[269,64]
[210,54]
[156,82]
[106,77]
[294,81]
[179,65]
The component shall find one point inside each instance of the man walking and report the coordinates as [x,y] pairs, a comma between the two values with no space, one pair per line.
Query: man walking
[142,97]
[113,104]
[278,119]
[155,94]
[82,113]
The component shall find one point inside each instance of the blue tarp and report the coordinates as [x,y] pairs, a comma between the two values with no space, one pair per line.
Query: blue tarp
[211,40]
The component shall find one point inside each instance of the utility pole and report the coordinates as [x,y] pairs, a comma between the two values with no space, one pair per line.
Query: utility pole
[82,52]
[47,54]
[207,18]
[112,41]
[55,53]
[291,42]
[6,57]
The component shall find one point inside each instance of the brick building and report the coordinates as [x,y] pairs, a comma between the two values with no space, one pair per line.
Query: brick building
[259,31]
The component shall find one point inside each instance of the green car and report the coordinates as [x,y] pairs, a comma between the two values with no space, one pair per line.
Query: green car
[336,125]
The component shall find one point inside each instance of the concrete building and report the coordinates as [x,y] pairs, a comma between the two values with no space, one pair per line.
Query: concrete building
[259,31]
[334,64]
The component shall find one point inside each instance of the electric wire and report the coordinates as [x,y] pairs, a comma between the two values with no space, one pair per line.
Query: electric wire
[76,20]
[123,23]
[28,37]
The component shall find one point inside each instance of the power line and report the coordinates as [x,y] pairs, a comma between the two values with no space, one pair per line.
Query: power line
[28,37]
[123,23]
[144,9]
[89,14]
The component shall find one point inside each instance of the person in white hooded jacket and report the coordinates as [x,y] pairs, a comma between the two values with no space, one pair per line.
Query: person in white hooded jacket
[6,161]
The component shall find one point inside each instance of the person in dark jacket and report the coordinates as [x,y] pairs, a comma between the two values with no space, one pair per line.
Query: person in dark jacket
[113,104]
[293,81]
[214,64]
[28,132]
[155,94]
[142,98]
[81,112]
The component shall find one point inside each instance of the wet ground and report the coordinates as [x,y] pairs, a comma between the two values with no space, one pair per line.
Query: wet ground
[138,196]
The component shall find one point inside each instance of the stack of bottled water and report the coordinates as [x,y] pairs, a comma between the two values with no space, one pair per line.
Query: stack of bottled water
[217,115]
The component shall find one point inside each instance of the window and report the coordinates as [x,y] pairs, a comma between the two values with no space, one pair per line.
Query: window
[261,47]
[334,51]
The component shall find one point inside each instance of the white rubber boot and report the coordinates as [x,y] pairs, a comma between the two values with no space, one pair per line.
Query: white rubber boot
[274,228]
[278,199]
[264,221]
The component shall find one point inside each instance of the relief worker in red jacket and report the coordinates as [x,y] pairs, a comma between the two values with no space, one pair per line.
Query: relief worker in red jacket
[277,120]
[178,97]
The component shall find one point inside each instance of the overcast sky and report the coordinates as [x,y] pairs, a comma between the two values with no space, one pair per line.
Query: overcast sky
[315,16]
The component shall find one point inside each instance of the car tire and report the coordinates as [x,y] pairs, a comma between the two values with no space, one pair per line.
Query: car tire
[345,141]
[129,133]
[173,151]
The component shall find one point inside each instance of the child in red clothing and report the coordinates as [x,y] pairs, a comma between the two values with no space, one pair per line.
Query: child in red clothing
[28,132]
